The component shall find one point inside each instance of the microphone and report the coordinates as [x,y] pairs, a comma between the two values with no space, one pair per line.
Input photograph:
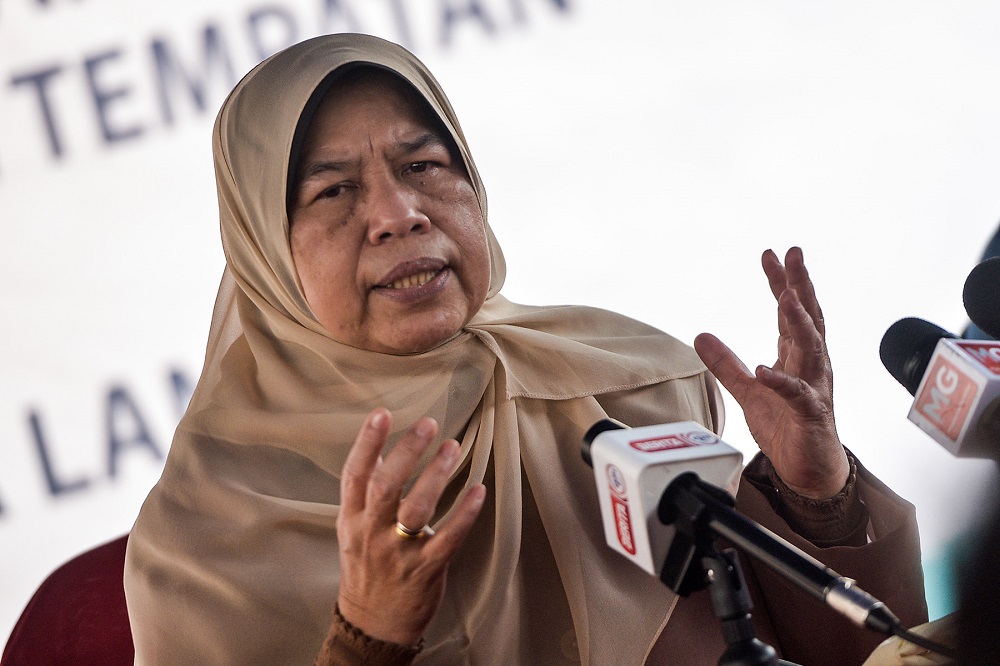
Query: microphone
[650,493]
[907,347]
[955,384]
[632,468]
[980,296]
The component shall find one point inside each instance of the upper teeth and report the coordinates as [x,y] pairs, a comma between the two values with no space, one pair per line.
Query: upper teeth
[415,280]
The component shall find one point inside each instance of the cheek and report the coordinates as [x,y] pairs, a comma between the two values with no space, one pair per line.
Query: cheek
[304,241]
[470,234]
[476,258]
[322,269]
[482,266]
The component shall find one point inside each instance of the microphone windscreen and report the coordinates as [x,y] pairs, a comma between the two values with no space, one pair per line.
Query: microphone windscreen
[981,296]
[907,347]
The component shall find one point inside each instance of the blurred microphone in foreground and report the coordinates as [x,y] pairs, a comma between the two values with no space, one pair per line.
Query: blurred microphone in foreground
[955,384]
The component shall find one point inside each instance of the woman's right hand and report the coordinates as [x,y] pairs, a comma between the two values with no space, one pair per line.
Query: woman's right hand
[390,585]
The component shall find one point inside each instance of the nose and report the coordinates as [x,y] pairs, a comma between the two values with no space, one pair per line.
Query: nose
[392,211]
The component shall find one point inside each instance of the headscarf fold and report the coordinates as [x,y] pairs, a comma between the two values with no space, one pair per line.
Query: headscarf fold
[233,558]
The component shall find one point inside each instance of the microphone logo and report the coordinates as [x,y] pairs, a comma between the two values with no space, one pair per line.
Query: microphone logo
[701,438]
[680,440]
[986,352]
[946,397]
[619,506]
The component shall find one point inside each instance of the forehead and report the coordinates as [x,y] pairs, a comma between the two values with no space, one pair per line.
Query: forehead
[371,94]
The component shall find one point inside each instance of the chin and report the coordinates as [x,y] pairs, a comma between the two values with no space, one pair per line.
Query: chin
[415,342]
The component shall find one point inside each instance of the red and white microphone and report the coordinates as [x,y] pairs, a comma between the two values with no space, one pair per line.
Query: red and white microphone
[958,396]
[954,403]
[633,466]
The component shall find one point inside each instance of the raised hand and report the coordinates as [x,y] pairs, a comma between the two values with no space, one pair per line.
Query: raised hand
[391,583]
[789,405]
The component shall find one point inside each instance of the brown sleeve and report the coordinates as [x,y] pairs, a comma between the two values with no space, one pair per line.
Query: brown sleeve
[841,520]
[346,645]
[887,566]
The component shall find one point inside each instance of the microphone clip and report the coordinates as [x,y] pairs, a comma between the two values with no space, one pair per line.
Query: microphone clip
[694,562]
[683,505]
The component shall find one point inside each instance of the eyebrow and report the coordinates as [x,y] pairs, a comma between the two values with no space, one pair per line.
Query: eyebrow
[422,141]
[318,167]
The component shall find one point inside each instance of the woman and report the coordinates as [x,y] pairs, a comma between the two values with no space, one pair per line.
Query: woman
[358,324]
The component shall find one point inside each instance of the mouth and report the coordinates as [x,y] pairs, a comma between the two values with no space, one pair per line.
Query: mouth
[415,280]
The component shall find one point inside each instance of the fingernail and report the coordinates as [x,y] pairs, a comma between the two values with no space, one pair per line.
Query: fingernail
[377,419]
[449,448]
[424,428]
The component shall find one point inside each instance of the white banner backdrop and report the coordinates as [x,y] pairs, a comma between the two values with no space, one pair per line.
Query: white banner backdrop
[639,156]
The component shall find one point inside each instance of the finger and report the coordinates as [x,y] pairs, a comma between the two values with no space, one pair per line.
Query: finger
[387,480]
[799,280]
[724,364]
[362,459]
[418,507]
[452,533]
[799,396]
[805,337]
[786,345]
[777,279]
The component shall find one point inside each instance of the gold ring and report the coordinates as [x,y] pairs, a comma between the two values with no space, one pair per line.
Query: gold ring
[407,533]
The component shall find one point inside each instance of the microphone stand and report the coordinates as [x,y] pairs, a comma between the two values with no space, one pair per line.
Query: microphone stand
[694,562]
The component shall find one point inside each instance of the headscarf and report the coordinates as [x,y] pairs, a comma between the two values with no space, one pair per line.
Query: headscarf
[233,558]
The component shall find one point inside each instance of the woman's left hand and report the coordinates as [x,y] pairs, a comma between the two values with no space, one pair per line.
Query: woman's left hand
[789,405]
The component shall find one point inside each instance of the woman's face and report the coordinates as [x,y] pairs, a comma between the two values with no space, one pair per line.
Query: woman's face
[386,231]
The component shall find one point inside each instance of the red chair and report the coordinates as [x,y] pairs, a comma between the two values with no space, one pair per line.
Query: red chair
[77,616]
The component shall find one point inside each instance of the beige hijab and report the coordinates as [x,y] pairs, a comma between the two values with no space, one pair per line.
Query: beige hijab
[233,558]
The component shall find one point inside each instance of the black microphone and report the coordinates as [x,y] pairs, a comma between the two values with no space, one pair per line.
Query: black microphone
[907,347]
[981,296]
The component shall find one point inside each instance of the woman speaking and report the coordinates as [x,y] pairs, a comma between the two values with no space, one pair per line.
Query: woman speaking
[380,463]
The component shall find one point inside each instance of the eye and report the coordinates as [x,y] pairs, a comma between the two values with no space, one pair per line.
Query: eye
[331,192]
[418,167]
[337,190]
